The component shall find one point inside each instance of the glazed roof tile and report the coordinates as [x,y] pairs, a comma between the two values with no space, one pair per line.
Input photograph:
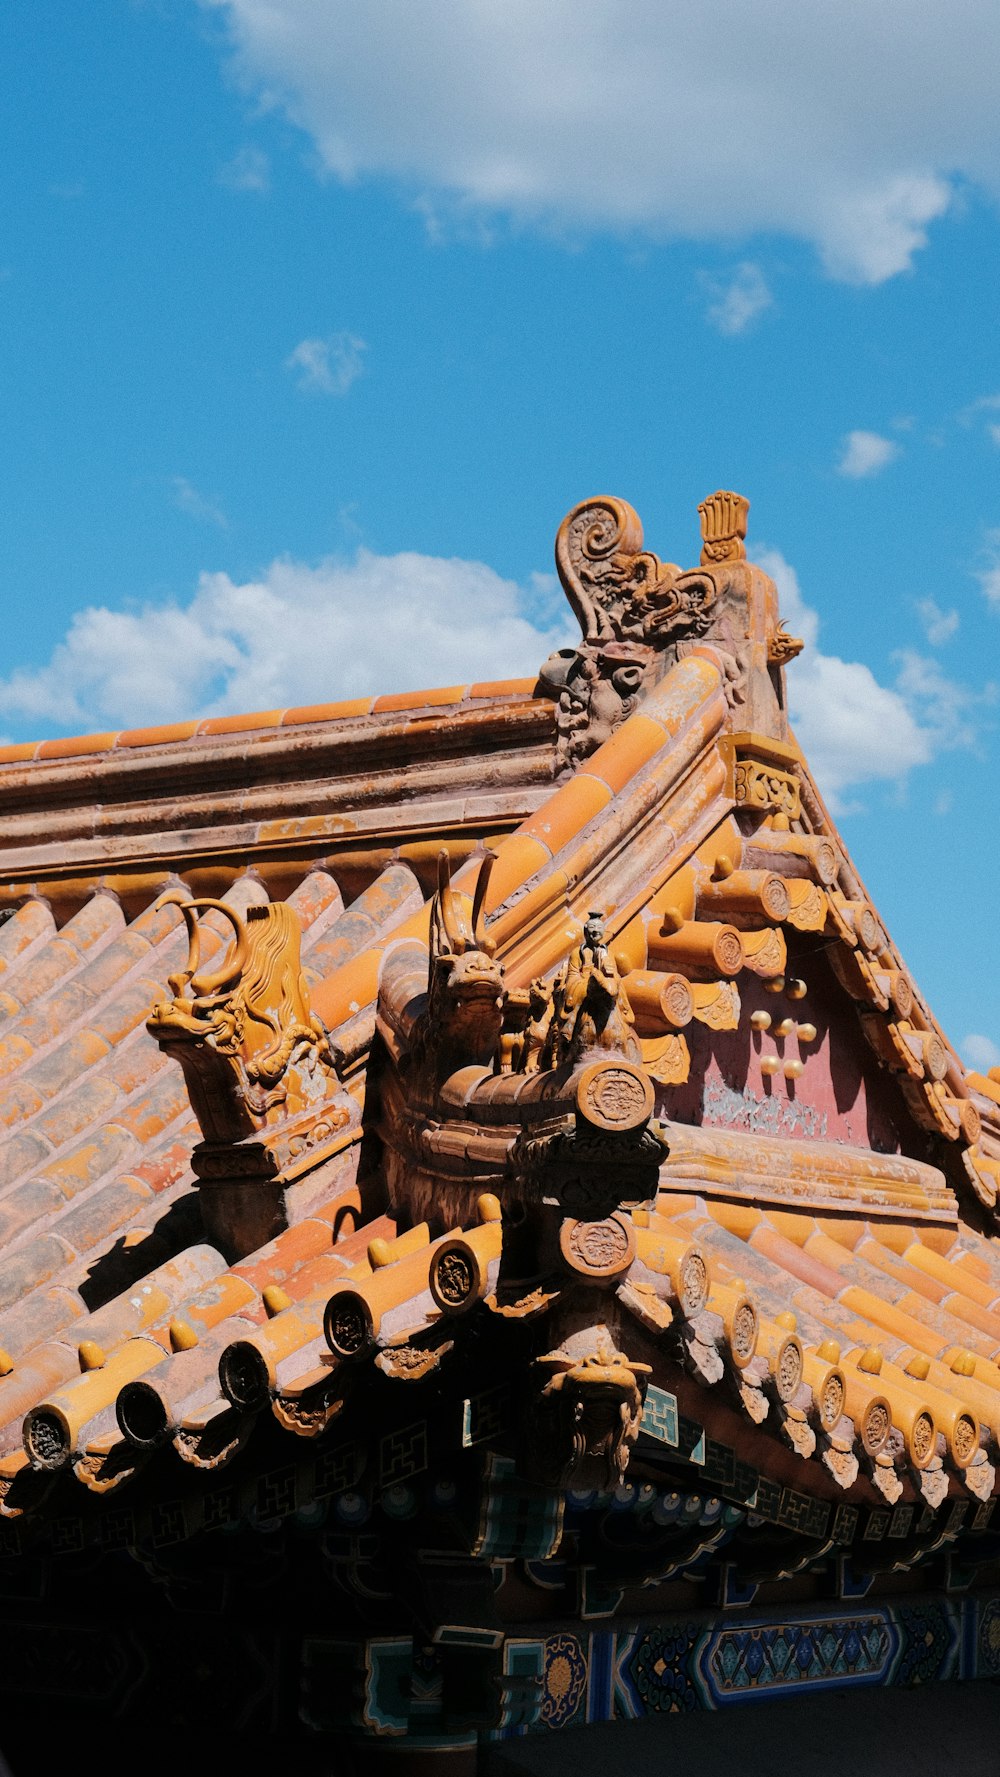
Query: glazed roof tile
[100,1128]
[170,734]
[889,1292]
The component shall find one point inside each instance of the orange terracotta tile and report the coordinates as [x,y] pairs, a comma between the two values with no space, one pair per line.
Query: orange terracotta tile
[82,1398]
[89,1162]
[240,724]
[97,917]
[517,859]
[13,1051]
[20,1100]
[20,1153]
[897,1322]
[32,920]
[45,968]
[32,1201]
[565,814]
[318,902]
[343,995]
[282,1257]
[544,912]
[29,1265]
[103,1213]
[76,745]
[91,1098]
[349,989]
[35,1318]
[135,1064]
[327,712]
[42,1372]
[66,1062]
[58,1012]
[129,1007]
[637,741]
[950,1276]
[418,700]
[157,737]
[166,1168]
[17,755]
[503,688]
[155,1109]
[105,970]
[305,827]
[960,1308]
[982,1083]
[225,1294]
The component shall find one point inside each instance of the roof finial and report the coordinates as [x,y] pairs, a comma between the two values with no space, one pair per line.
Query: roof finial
[723,527]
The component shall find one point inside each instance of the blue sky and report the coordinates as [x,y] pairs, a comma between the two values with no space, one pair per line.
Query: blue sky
[315,318]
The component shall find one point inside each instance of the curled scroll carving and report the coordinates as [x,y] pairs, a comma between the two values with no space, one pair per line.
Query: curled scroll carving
[631,606]
[638,615]
[608,577]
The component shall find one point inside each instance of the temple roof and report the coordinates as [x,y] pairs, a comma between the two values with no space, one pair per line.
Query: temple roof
[628,1092]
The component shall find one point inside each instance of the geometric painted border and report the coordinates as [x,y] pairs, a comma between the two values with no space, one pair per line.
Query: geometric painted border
[701,1660]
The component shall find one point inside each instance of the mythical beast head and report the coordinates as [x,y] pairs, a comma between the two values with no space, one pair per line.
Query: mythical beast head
[465,988]
[251,1050]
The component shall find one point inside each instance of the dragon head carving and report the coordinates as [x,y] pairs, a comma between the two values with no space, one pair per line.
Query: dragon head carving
[587,1415]
[465,987]
[251,1050]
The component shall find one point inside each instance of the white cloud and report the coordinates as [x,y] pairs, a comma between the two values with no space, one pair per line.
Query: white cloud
[982,404]
[737,304]
[852,729]
[249,170]
[939,626]
[980,409]
[949,711]
[328,366]
[980,1052]
[989,576]
[847,126]
[187,499]
[866,453]
[299,634]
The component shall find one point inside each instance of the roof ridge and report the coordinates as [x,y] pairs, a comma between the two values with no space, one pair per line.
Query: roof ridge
[294,716]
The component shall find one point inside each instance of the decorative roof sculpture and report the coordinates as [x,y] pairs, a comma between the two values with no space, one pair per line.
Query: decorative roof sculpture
[565,1152]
